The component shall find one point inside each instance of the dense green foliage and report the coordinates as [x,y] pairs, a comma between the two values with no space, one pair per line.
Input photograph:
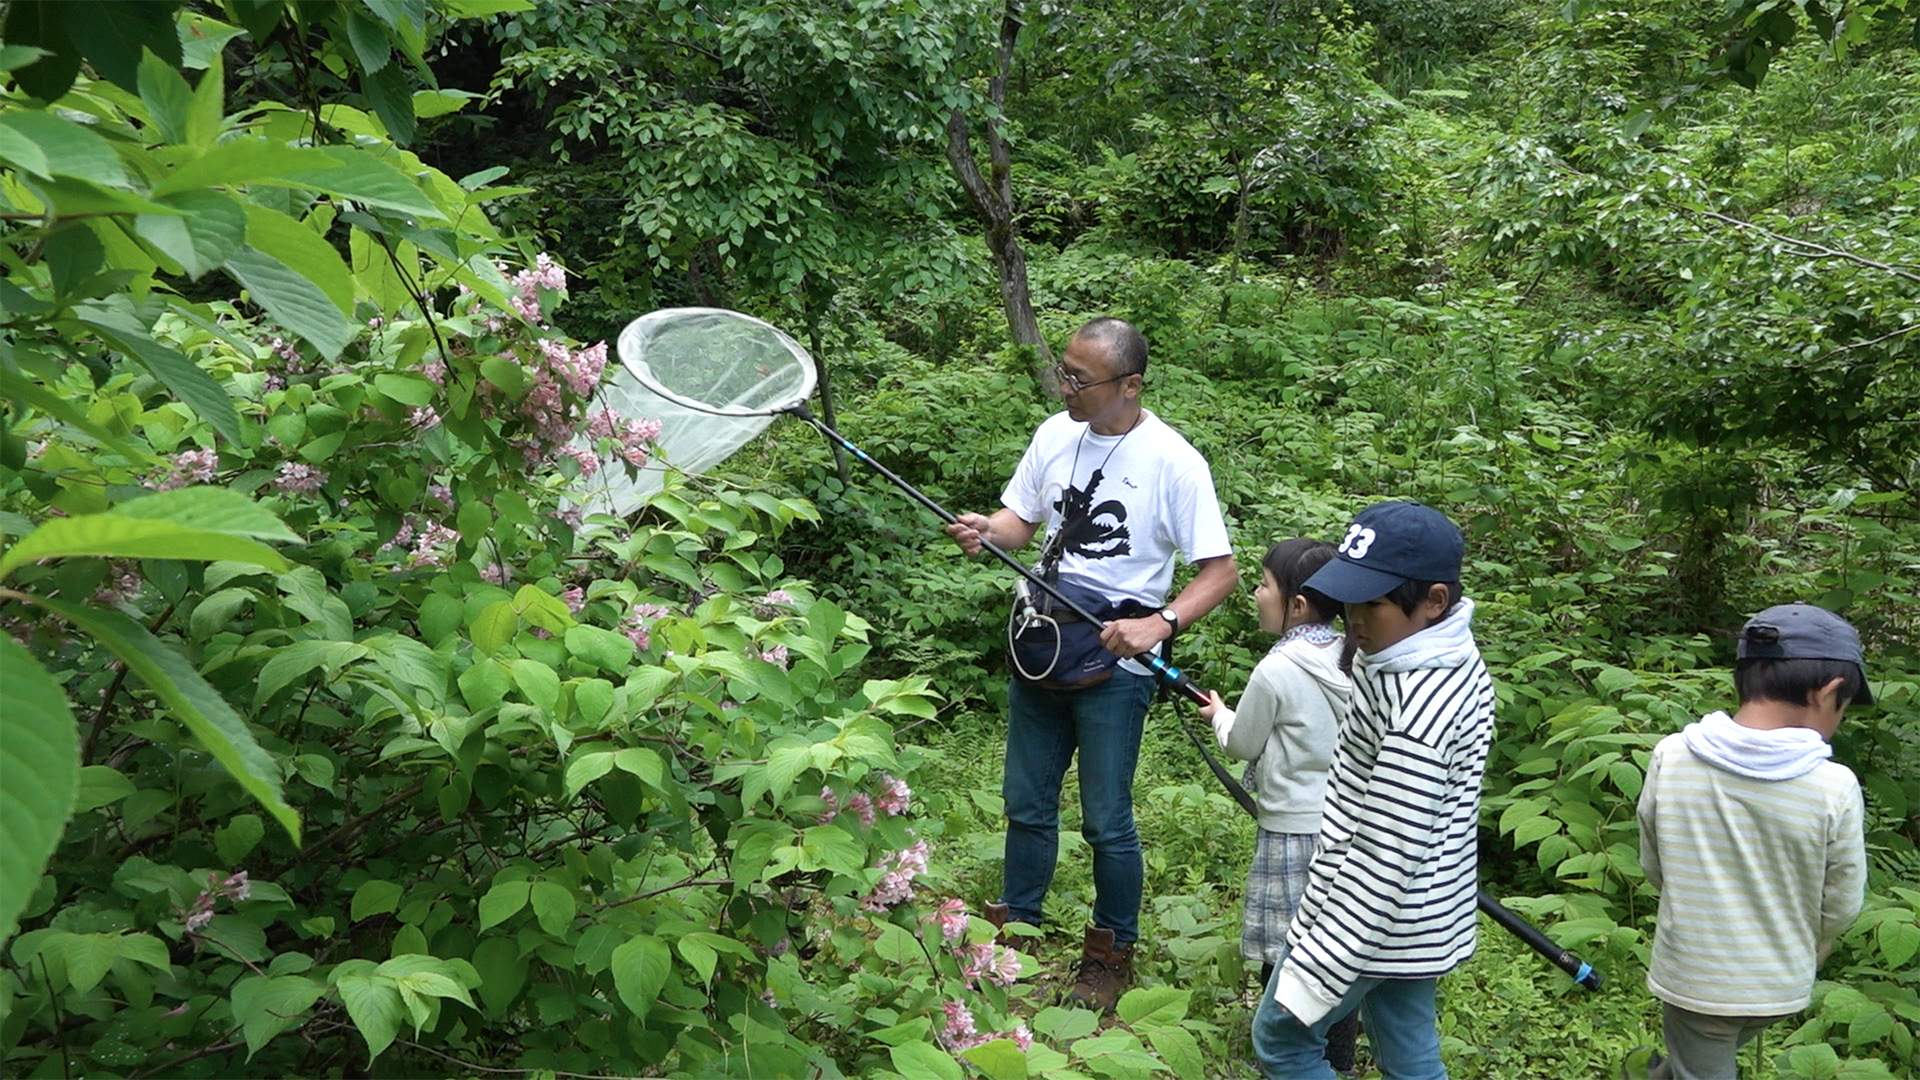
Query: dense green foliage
[339,740]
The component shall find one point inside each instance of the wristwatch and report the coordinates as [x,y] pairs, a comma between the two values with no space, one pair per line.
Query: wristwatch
[1172,617]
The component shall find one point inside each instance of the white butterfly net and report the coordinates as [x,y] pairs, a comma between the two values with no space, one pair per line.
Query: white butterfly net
[713,379]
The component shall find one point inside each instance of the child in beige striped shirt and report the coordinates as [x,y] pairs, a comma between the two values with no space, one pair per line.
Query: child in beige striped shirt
[1754,839]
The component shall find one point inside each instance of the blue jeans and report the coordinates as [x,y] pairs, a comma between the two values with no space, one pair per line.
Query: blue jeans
[1044,729]
[1397,1014]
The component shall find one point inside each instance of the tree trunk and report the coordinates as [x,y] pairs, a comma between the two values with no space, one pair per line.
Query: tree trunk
[992,196]
[816,310]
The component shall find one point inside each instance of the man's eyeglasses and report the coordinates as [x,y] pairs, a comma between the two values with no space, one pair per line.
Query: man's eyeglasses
[1072,383]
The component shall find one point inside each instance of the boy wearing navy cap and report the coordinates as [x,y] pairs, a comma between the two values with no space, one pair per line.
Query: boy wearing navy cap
[1755,841]
[1390,900]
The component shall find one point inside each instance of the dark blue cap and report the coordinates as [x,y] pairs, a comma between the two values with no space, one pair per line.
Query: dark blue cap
[1390,543]
[1801,631]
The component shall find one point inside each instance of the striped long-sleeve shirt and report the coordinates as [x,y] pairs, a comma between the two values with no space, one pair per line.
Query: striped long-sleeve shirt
[1758,877]
[1391,891]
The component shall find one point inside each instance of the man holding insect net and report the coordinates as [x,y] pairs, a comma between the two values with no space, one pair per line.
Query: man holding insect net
[1120,494]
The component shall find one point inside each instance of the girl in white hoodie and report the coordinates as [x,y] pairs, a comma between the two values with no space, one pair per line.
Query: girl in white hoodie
[1286,725]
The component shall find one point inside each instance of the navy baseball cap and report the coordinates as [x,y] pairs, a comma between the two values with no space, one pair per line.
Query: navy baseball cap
[1801,631]
[1390,543]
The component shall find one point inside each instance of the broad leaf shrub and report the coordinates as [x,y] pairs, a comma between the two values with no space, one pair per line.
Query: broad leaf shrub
[550,788]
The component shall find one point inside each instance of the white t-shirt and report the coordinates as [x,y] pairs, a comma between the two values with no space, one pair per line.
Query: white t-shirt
[1126,504]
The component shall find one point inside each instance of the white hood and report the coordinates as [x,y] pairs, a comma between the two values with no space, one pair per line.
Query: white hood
[1763,754]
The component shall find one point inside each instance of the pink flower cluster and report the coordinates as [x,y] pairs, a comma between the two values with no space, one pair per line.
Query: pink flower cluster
[990,961]
[495,574]
[639,620]
[769,605]
[959,1034]
[776,655]
[951,918]
[635,437]
[543,274]
[124,586]
[434,545]
[551,415]
[892,801]
[298,478]
[896,884]
[575,598]
[233,887]
[424,418]
[189,467]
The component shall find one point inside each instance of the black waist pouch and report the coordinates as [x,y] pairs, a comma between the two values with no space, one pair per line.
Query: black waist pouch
[1049,643]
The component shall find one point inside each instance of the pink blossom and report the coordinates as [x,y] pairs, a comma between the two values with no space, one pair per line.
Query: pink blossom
[431,550]
[443,493]
[990,961]
[424,418]
[572,517]
[769,605]
[200,917]
[1022,1037]
[959,1020]
[951,917]
[588,461]
[272,383]
[894,796]
[833,805]
[298,478]
[124,587]
[494,574]
[861,807]
[778,656]
[436,370]
[897,883]
[190,467]
[575,598]
[603,423]
[639,620]
[237,887]
[376,323]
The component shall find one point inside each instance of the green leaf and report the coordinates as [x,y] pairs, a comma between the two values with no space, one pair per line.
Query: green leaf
[358,175]
[19,388]
[1155,1006]
[494,627]
[502,902]
[392,101]
[584,769]
[210,228]
[999,1059]
[39,777]
[238,837]
[484,685]
[112,34]
[1898,941]
[640,970]
[1534,829]
[167,97]
[368,38]
[220,730]
[67,148]
[375,1007]
[603,649]
[116,534]
[1180,1050]
[265,1007]
[650,767]
[503,973]
[375,897]
[291,242]
[921,1061]
[100,786]
[239,162]
[181,375]
[553,907]
[292,300]
[829,847]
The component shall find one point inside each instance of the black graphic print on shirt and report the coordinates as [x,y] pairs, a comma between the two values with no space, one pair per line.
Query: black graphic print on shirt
[1090,531]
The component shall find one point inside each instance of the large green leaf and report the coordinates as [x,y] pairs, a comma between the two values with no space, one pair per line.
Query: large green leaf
[358,175]
[112,34]
[293,243]
[238,162]
[191,523]
[67,148]
[640,970]
[919,1061]
[374,1004]
[39,777]
[290,298]
[212,227]
[181,375]
[266,1007]
[22,389]
[198,705]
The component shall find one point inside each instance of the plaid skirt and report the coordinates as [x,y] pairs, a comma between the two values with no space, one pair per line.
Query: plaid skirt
[1275,883]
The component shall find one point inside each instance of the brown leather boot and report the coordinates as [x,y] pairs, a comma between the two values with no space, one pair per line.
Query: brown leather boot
[1106,970]
[997,915]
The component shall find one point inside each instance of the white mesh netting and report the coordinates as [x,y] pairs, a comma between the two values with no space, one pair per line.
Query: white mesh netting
[713,378]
